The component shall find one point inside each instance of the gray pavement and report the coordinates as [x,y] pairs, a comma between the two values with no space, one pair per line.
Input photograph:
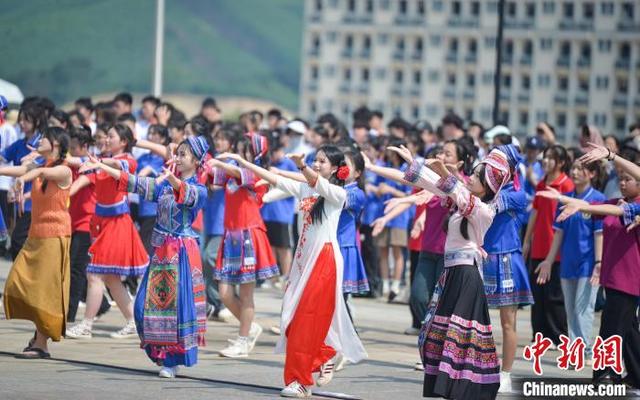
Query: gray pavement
[104,368]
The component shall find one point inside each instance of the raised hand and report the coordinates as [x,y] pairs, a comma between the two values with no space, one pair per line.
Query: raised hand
[393,203]
[549,193]
[403,152]
[297,158]
[367,161]
[89,165]
[568,210]
[437,166]
[378,225]
[596,153]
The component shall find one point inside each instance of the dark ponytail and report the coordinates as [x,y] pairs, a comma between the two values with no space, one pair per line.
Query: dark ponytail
[358,164]
[56,134]
[124,132]
[336,159]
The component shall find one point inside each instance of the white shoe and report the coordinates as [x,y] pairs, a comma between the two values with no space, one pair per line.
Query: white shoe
[411,331]
[254,334]
[81,330]
[296,390]
[505,382]
[238,349]
[418,366]
[275,330]
[340,362]
[223,316]
[326,373]
[168,372]
[127,331]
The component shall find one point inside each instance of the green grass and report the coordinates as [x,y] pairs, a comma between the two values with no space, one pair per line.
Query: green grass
[68,48]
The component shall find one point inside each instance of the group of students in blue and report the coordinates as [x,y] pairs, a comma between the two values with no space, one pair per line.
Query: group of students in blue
[222,208]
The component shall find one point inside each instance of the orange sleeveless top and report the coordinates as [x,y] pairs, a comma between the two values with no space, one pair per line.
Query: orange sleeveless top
[49,211]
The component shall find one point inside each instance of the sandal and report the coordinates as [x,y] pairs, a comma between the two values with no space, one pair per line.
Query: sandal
[31,342]
[36,353]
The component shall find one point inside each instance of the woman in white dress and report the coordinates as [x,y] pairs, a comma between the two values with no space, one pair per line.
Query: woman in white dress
[315,325]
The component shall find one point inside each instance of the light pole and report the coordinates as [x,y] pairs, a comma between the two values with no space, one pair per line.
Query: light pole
[497,79]
[157,71]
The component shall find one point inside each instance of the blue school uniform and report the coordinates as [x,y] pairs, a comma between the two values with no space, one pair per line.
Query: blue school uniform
[401,221]
[280,211]
[354,277]
[506,281]
[529,189]
[14,154]
[149,208]
[579,230]
[374,207]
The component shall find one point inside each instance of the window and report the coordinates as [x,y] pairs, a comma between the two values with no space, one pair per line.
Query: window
[348,42]
[383,38]
[415,112]
[417,77]
[549,7]
[434,76]
[524,118]
[398,76]
[468,114]
[620,123]
[451,79]
[318,5]
[563,83]
[314,73]
[542,116]
[561,119]
[581,119]
[402,7]
[490,42]
[419,46]
[471,80]
[583,85]
[526,82]
[351,6]
[600,119]
[530,10]
[332,36]
[602,82]
[312,107]
[432,110]
[473,47]
[528,48]
[585,51]
[346,74]
[545,43]
[453,46]
[330,71]
[456,8]
[487,78]
[366,43]
[369,6]
[588,11]
[622,85]
[384,4]
[506,81]
[544,80]
[437,5]
[606,8]
[604,45]
[567,10]
[492,7]
[511,9]
[420,7]
[475,8]
[627,11]
[315,43]
[625,51]
[565,50]
[504,117]
[365,74]
[400,45]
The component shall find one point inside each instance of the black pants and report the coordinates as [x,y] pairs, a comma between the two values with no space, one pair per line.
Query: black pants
[80,243]
[619,317]
[548,314]
[413,264]
[19,234]
[146,230]
[371,259]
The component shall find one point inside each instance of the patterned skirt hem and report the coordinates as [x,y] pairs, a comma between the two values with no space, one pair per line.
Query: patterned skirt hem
[116,270]
[355,286]
[509,299]
[237,278]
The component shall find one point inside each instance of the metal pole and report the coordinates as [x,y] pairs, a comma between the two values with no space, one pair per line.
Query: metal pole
[497,79]
[157,72]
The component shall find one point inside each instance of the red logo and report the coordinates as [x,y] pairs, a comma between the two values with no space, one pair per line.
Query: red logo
[571,353]
[536,350]
[608,353]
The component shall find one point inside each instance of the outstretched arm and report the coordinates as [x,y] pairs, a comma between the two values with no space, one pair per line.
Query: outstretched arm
[261,172]
[599,152]
[81,182]
[60,174]
[14,170]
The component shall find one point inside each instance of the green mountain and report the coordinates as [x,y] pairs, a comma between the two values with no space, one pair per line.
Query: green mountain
[68,48]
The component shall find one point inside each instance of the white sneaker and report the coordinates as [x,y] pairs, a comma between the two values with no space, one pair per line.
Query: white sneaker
[418,366]
[411,331]
[340,362]
[296,390]
[223,316]
[168,372]
[505,382]
[238,349]
[127,331]
[81,330]
[254,334]
[326,373]
[275,330]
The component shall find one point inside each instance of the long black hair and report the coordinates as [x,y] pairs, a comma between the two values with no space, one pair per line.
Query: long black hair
[336,159]
[560,155]
[56,134]
[466,153]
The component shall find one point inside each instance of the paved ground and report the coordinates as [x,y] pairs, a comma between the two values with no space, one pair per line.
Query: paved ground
[103,368]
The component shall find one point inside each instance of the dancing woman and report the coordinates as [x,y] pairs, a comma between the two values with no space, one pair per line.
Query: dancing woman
[315,324]
[170,306]
[456,342]
[37,288]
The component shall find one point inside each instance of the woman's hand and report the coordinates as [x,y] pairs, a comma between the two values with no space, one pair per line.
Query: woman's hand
[298,159]
[568,210]
[378,225]
[544,272]
[89,165]
[403,152]
[596,153]
[437,166]
[634,224]
[393,203]
[367,161]
[595,275]
[549,193]
[167,174]
[18,188]
[228,156]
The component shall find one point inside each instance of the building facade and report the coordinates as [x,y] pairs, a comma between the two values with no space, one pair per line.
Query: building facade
[565,62]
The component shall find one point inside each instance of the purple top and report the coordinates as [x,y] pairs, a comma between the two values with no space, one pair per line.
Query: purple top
[434,236]
[620,255]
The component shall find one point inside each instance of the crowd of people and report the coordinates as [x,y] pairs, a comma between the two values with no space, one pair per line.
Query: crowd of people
[178,220]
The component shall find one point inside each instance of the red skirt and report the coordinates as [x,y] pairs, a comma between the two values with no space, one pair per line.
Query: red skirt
[245,256]
[117,248]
